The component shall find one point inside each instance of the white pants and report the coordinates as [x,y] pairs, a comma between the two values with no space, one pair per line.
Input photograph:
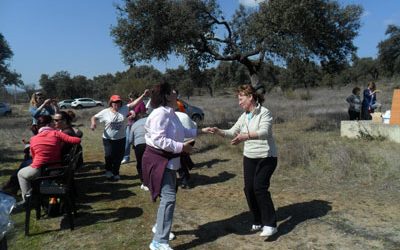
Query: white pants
[25,175]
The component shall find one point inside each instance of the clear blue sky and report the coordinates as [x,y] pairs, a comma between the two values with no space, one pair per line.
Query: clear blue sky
[48,36]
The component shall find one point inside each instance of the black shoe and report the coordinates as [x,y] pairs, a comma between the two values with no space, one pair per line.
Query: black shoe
[19,207]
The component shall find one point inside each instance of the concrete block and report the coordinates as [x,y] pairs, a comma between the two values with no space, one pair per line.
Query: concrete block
[354,129]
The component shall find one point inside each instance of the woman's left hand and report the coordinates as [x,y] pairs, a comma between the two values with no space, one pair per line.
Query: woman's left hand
[239,138]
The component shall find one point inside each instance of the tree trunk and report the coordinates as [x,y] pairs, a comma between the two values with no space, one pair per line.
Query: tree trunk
[253,72]
[210,90]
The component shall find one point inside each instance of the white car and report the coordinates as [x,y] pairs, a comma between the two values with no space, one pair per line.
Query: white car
[85,103]
[64,104]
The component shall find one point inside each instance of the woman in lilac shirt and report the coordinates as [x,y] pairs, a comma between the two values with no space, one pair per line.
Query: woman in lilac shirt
[165,141]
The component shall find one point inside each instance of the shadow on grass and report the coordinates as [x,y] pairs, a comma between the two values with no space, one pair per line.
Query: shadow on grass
[211,231]
[295,214]
[97,216]
[209,163]
[205,149]
[105,216]
[97,188]
[201,180]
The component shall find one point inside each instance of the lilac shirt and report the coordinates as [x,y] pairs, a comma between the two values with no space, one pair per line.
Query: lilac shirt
[165,131]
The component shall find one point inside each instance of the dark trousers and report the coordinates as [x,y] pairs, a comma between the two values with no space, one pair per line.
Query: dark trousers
[365,114]
[257,175]
[354,115]
[139,151]
[113,153]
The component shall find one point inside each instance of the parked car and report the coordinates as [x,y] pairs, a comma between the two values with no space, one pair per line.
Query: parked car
[65,104]
[193,112]
[5,109]
[85,103]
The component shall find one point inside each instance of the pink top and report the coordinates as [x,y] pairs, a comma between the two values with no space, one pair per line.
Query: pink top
[46,146]
[140,108]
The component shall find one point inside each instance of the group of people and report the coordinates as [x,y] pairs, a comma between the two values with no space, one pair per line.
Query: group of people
[163,140]
[362,110]
[53,137]
[165,145]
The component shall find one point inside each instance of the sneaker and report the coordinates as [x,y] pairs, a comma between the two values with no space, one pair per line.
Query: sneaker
[116,178]
[108,174]
[154,245]
[143,187]
[255,228]
[124,161]
[171,235]
[268,231]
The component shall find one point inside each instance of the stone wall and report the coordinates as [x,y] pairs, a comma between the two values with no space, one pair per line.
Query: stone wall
[357,129]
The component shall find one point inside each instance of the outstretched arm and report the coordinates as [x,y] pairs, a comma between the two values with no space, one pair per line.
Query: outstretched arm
[137,100]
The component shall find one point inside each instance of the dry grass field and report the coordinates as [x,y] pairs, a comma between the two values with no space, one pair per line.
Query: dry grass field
[329,192]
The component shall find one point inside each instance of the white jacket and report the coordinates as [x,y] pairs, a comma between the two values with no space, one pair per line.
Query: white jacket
[261,123]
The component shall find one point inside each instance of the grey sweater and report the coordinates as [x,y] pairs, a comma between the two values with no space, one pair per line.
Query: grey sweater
[261,123]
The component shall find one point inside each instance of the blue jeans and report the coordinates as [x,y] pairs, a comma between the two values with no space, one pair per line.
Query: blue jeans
[166,209]
[127,153]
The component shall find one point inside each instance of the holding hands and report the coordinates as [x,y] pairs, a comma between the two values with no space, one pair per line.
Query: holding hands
[240,137]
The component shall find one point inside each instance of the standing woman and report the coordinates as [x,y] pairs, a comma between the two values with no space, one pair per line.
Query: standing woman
[40,106]
[254,128]
[164,143]
[369,103]
[354,101]
[138,110]
[114,118]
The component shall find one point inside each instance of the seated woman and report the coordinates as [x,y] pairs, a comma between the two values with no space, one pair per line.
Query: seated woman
[63,122]
[45,148]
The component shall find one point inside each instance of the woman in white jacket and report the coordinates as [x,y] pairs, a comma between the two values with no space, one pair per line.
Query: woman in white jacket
[254,128]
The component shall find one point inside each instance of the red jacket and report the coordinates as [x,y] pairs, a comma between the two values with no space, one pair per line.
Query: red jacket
[46,146]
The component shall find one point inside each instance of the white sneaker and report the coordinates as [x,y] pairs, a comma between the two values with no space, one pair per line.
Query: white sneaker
[108,174]
[143,187]
[268,231]
[124,161]
[255,228]
[154,245]
[171,235]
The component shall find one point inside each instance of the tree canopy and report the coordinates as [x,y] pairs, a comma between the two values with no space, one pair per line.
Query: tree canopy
[7,76]
[278,32]
[389,50]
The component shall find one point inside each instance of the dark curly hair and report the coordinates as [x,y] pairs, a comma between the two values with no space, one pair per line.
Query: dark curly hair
[43,121]
[159,94]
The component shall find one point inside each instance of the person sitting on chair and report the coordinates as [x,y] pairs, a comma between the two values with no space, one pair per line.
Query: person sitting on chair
[45,148]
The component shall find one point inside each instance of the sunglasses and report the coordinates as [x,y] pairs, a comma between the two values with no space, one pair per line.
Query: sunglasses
[57,120]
